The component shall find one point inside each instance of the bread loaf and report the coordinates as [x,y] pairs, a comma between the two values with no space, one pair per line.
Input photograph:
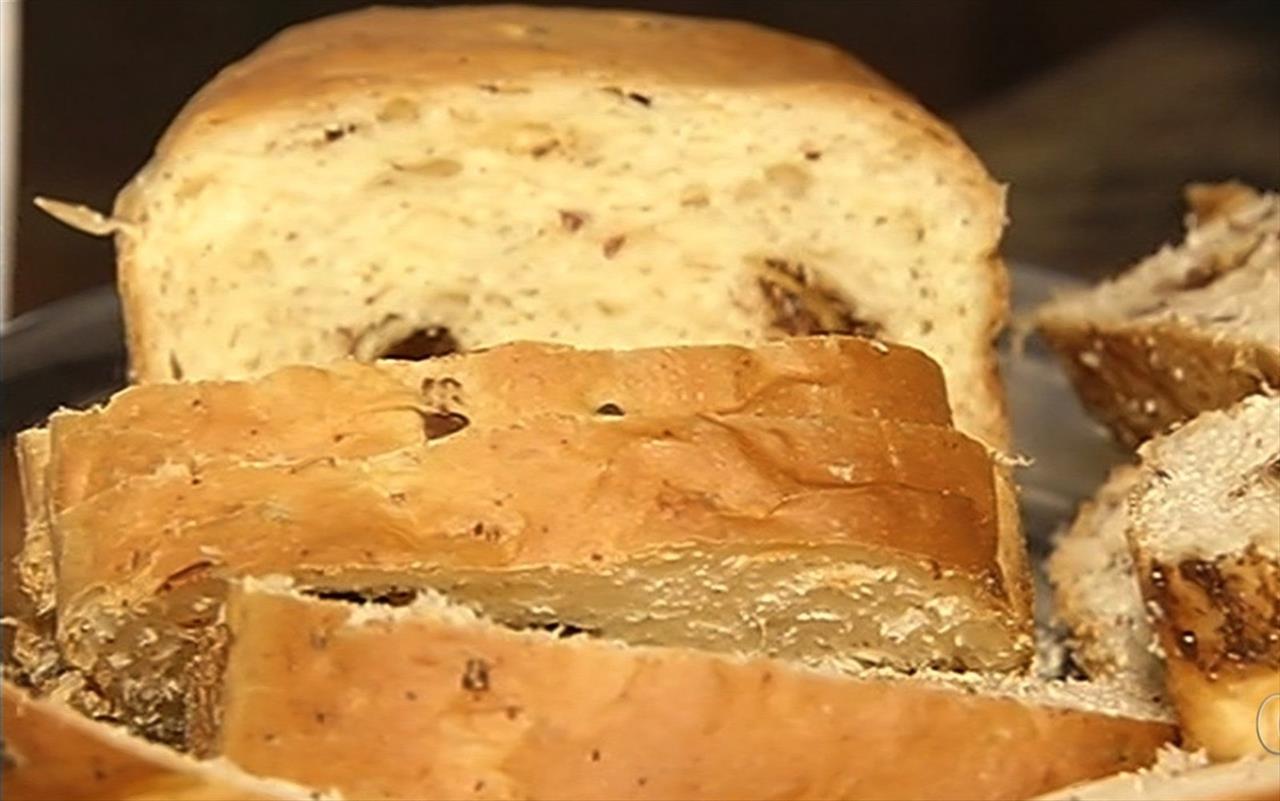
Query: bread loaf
[53,754]
[831,538]
[430,701]
[415,181]
[1206,532]
[1191,328]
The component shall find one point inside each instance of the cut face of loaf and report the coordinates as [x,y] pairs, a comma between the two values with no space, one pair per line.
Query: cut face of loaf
[416,181]
[1206,531]
[429,701]
[1096,593]
[833,539]
[51,753]
[1192,328]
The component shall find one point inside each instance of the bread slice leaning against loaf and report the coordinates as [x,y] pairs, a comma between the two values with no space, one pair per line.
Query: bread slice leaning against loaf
[1096,593]
[413,181]
[1205,528]
[1254,778]
[819,538]
[51,753]
[1192,328]
[430,701]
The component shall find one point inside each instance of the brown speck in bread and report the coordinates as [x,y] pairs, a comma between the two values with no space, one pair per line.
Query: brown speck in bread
[321,718]
[175,367]
[512,712]
[397,497]
[813,155]
[441,424]
[595,754]
[425,343]
[1163,475]
[543,148]
[612,245]
[610,410]
[642,781]
[643,100]
[572,220]
[475,676]
[596,557]
[478,786]
[410,695]
[269,737]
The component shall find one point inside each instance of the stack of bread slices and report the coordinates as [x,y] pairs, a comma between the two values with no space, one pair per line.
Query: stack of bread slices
[542,403]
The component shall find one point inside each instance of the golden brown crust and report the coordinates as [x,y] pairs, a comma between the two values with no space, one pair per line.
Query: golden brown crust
[52,754]
[458,708]
[638,484]
[1139,378]
[352,410]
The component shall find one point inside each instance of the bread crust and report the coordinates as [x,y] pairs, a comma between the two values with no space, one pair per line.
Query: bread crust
[52,754]
[1255,779]
[469,709]
[391,50]
[1141,377]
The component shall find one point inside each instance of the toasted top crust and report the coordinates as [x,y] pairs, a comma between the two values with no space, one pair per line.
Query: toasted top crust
[606,491]
[353,410]
[52,754]
[467,44]
[498,714]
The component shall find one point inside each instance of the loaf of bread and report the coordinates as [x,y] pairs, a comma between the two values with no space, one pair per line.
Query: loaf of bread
[1182,777]
[429,701]
[1096,593]
[410,182]
[818,539]
[51,753]
[1205,530]
[1192,328]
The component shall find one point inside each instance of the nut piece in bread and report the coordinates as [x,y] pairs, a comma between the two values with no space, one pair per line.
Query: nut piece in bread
[1192,328]
[1096,593]
[429,701]
[1205,527]
[815,538]
[51,753]
[414,181]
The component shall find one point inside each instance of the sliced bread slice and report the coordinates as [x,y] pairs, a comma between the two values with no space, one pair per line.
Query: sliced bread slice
[1205,529]
[413,181]
[51,753]
[1191,328]
[1178,776]
[853,538]
[430,701]
[1096,593]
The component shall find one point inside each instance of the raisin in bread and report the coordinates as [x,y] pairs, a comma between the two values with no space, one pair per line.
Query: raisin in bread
[1205,530]
[1096,593]
[51,753]
[413,181]
[818,538]
[453,705]
[1191,328]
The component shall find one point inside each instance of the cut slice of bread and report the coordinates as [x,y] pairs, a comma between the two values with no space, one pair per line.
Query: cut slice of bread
[1188,779]
[1191,328]
[51,753]
[430,701]
[352,410]
[1096,593]
[818,538]
[419,180]
[1206,533]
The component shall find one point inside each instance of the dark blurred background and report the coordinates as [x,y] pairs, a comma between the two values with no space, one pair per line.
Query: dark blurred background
[1095,111]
